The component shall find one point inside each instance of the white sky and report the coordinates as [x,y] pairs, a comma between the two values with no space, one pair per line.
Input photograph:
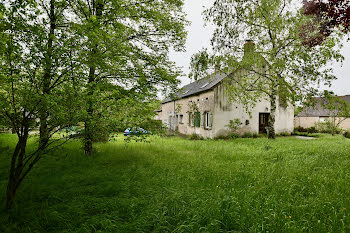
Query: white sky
[199,37]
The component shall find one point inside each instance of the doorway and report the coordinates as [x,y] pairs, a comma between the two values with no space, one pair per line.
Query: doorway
[263,122]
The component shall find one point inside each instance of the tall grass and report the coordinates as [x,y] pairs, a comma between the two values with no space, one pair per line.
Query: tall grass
[178,185]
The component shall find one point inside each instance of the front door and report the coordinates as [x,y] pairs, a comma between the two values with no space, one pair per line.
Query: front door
[263,122]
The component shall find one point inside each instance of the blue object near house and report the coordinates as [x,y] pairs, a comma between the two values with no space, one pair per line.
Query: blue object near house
[135,131]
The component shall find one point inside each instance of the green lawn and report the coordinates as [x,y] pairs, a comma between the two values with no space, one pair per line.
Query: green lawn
[177,185]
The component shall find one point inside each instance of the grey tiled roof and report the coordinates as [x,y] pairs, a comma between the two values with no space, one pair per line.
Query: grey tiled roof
[198,86]
[317,110]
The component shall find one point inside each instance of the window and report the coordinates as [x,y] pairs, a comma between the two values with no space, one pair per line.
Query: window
[208,118]
[190,119]
[181,119]
[323,119]
[247,122]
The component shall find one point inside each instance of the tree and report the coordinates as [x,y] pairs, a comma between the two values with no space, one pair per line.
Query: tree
[126,43]
[338,108]
[24,69]
[63,62]
[261,39]
[328,15]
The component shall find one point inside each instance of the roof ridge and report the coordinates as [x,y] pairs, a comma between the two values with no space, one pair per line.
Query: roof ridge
[198,87]
[196,81]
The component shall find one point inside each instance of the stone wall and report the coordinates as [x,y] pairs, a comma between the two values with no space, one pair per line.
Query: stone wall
[307,122]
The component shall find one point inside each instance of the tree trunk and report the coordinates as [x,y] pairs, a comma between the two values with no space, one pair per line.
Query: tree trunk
[11,192]
[44,132]
[272,117]
[16,168]
[89,125]
[43,111]
[90,111]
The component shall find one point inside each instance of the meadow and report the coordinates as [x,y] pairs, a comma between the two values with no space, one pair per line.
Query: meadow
[178,185]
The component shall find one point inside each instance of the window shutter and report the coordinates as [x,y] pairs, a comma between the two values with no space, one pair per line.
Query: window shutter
[203,120]
[197,119]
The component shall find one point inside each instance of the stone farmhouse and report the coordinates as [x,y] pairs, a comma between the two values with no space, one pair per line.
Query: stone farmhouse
[312,115]
[204,108]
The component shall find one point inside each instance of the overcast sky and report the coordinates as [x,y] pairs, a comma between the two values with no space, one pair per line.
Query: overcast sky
[199,37]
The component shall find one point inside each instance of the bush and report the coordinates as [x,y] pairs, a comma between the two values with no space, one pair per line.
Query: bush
[305,134]
[195,137]
[233,135]
[234,125]
[222,137]
[312,130]
[300,129]
[247,135]
[347,134]
[154,126]
[327,127]
[284,134]
[236,135]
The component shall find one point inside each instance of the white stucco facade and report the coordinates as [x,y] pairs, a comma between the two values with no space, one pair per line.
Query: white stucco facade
[215,105]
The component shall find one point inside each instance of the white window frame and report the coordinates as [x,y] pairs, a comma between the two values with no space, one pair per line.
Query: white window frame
[207,119]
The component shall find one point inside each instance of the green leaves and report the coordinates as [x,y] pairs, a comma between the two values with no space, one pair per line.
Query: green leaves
[274,26]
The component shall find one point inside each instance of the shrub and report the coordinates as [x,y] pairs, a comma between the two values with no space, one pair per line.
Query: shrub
[347,134]
[312,130]
[233,135]
[284,134]
[194,137]
[300,134]
[234,125]
[247,135]
[223,137]
[327,127]
[300,129]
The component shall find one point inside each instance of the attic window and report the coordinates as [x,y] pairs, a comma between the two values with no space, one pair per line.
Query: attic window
[205,85]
